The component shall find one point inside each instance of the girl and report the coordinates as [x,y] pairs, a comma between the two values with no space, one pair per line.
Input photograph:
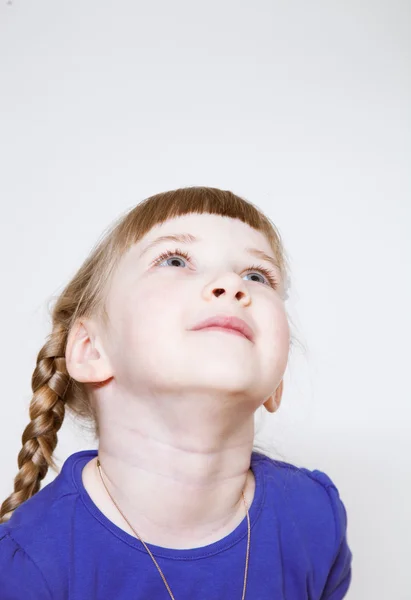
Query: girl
[168,339]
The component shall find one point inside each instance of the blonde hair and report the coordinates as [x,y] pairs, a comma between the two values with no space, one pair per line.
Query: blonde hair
[83,297]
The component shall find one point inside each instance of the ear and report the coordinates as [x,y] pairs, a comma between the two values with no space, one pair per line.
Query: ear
[274,401]
[86,360]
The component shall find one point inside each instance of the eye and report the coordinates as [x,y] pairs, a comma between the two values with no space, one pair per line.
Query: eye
[268,275]
[168,253]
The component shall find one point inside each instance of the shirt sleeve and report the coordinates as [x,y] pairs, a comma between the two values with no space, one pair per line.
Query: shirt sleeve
[20,578]
[339,577]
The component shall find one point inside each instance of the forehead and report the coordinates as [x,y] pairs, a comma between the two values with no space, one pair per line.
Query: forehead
[208,228]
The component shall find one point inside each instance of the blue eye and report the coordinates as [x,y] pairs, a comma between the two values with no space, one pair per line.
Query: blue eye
[168,253]
[269,275]
[253,274]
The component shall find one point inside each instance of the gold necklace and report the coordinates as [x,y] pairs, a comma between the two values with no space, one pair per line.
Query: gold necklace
[154,560]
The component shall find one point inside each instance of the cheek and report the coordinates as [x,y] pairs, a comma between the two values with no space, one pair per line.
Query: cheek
[275,340]
[151,311]
[147,328]
[160,297]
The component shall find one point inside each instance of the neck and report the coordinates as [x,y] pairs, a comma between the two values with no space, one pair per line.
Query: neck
[175,490]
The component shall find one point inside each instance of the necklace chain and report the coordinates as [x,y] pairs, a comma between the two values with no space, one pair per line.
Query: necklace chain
[150,553]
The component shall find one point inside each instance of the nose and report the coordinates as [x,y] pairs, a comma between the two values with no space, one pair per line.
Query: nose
[230,285]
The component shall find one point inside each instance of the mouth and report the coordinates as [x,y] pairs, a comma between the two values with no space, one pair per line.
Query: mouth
[226,324]
[224,329]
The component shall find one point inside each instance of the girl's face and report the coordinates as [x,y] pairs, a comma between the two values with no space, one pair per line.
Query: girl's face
[154,302]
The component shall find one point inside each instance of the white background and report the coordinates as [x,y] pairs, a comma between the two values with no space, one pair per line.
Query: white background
[301,107]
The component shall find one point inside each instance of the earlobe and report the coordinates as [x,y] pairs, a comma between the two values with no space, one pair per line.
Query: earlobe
[270,404]
[274,401]
[86,361]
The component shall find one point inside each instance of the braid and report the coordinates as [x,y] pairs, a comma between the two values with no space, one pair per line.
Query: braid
[49,382]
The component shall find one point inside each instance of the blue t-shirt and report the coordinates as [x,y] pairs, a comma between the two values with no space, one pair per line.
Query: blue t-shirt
[59,545]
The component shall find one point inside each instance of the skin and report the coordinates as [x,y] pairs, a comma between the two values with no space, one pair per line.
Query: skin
[176,407]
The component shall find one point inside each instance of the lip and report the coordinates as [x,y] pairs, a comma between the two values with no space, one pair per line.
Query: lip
[226,322]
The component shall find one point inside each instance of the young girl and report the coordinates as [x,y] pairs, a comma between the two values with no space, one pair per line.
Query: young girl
[168,339]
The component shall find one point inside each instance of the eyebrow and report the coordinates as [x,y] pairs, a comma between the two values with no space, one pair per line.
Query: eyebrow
[188,238]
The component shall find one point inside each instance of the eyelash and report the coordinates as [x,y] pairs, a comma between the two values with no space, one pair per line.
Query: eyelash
[266,272]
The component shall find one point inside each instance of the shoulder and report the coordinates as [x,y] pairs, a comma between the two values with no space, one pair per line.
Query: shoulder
[309,501]
[306,487]
[34,517]
[310,494]
[31,552]
[288,474]
[20,576]
[49,507]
